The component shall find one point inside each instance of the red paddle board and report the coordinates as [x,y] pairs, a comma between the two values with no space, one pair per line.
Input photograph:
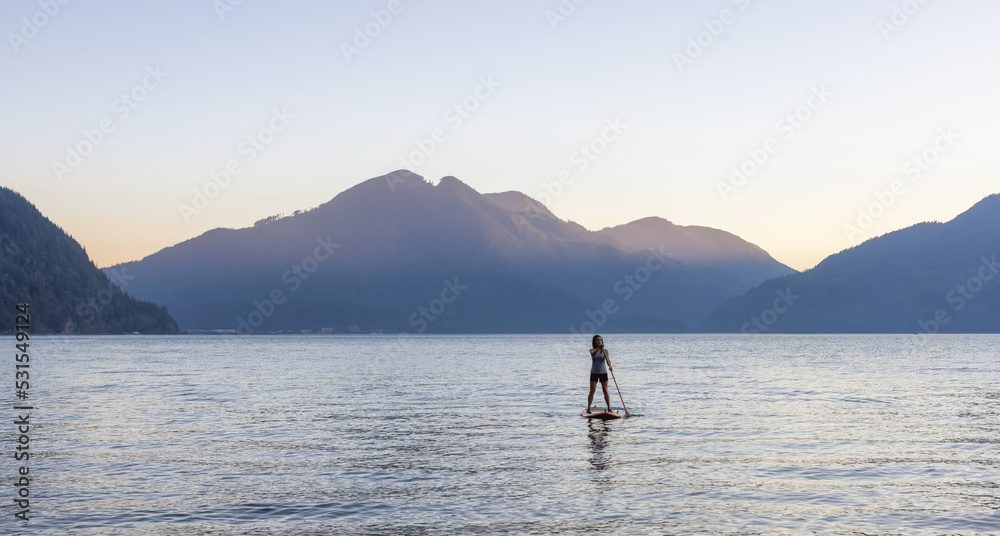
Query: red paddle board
[599,413]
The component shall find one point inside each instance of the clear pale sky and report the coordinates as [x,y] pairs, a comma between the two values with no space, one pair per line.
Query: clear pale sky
[890,85]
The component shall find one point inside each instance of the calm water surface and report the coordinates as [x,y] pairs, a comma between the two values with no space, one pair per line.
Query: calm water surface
[481,434]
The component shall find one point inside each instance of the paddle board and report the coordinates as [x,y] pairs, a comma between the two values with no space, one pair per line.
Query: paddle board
[599,413]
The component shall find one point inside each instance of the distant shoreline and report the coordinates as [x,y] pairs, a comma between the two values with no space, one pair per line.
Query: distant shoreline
[610,333]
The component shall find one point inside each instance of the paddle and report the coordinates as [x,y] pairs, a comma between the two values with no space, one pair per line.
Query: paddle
[612,370]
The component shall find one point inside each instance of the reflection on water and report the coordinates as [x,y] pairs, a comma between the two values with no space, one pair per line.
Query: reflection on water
[473,435]
[598,442]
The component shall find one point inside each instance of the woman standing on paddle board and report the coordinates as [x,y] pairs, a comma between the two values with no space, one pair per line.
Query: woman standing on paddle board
[598,371]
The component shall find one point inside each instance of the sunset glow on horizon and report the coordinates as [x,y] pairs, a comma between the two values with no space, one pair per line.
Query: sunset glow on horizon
[804,128]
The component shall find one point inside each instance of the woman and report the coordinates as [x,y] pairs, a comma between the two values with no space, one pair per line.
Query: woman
[598,372]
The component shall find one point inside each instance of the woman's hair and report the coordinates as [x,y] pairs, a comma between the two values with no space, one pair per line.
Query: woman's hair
[593,342]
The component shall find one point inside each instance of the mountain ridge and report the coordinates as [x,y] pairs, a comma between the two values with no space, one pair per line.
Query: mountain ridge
[899,282]
[399,236]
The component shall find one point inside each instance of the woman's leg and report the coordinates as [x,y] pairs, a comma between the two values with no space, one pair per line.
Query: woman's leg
[590,397]
[607,397]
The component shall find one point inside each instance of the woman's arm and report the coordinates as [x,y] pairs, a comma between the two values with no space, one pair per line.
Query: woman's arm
[607,357]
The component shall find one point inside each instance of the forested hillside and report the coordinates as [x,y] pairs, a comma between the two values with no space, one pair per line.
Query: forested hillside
[44,267]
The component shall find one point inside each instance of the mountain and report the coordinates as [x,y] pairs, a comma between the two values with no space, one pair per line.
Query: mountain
[397,253]
[931,277]
[42,266]
[701,247]
[530,216]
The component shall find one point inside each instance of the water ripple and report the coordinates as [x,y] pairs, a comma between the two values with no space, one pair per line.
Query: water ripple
[731,435]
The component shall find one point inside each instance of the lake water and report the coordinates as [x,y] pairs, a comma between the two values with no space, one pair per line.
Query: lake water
[293,435]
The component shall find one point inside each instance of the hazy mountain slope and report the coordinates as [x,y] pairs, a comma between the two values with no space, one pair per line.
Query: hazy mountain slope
[898,283]
[397,240]
[530,216]
[44,267]
[701,246]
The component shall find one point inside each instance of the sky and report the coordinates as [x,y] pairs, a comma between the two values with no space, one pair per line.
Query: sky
[804,127]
